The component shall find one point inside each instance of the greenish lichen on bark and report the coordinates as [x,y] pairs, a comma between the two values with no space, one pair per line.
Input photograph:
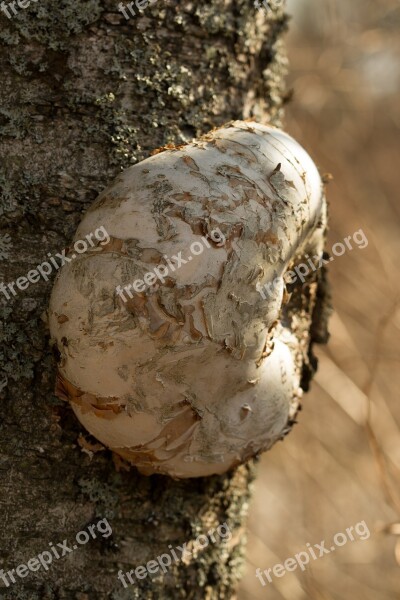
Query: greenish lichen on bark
[85,93]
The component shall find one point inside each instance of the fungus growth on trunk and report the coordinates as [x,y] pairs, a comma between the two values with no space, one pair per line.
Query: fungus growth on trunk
[182,342]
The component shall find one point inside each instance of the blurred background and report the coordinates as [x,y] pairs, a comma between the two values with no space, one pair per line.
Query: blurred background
[341,463]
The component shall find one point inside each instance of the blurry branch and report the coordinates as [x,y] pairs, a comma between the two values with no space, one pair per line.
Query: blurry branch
[391,495]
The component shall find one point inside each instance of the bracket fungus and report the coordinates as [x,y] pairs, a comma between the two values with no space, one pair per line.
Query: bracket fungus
[194,372]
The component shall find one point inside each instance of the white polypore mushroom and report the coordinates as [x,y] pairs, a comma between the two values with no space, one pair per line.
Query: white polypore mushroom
[198,370]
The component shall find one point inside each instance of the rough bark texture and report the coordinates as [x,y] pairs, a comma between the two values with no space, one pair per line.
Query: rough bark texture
[84,94]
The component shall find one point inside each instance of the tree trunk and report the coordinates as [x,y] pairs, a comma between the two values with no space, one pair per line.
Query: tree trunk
[86,92]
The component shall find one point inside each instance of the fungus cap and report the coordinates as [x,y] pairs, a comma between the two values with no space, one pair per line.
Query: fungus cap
[196,371]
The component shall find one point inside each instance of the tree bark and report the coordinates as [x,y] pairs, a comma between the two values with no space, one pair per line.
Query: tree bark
[85,93]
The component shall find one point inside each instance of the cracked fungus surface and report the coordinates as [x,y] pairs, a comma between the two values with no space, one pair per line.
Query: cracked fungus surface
[200,372]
